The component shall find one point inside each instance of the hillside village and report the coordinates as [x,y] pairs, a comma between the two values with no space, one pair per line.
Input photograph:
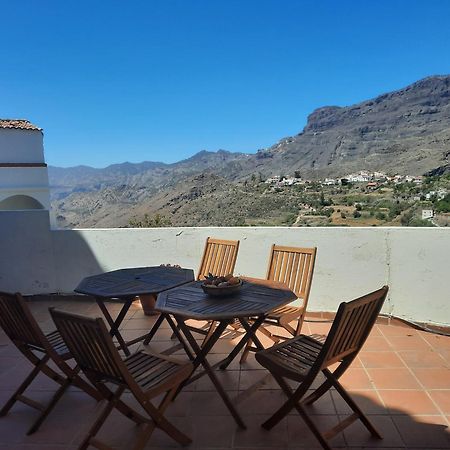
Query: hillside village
[371,198]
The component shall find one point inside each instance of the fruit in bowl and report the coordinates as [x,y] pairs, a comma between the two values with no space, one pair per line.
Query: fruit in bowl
[221,286]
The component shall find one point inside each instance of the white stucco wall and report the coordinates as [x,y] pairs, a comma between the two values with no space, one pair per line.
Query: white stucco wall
[23,177]
[350,261]
[21,146]
[26,252]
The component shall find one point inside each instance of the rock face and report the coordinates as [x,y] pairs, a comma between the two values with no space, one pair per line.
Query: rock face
[406,132]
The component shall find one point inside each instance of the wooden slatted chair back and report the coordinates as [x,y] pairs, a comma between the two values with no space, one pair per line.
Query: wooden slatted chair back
[91,345]
[293,266]
[219,257]
[351,327]
[18,322]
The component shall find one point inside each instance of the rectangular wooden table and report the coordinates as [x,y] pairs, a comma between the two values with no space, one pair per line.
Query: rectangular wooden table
[255,299]
[125,285]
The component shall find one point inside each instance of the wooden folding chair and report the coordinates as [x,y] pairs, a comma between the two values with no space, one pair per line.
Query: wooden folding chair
[144,375]
[23,330]
[219,259]
[303,357]
[293,266]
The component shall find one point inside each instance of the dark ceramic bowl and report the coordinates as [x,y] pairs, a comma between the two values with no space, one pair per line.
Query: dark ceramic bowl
[215,291]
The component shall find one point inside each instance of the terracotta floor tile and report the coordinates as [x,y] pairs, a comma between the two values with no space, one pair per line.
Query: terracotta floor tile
[182,405]
[200,412]
[37,447]
[380,360]
[213,432]
[224,346]
[397,378]
[445,354]
[251,363]
[423,431]
[319,328]
[356,363]
[438,378]
[427,358]
[117,431]
[409,342]
[214,358]
[256,436]
[300,436]
[368,400]
[160,440]
[261,402]
[228,378]
[138,323]
[408,402]
[376,331]
[393,330]
[209,403]
[376,343]
[358,435]
[249,377]
[355,379]
[442,399]
[324,406]
[437,341]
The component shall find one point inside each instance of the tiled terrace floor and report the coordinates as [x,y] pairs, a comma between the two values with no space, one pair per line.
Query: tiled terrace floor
[401,380]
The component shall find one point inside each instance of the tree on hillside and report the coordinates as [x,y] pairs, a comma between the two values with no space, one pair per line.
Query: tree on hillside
[157,221]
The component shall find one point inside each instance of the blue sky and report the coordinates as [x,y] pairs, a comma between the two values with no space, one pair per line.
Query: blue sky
[113,81]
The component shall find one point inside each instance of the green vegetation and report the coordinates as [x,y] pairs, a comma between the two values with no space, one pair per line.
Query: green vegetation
[255,203]
[150,222]
[444,204]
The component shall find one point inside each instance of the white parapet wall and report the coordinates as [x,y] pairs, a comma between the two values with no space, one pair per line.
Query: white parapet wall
[414,262]
[21,146]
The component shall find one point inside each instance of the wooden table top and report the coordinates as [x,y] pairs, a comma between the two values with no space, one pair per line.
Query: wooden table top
[136,281]
[255,298]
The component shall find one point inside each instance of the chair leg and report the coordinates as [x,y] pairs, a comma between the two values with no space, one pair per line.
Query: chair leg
[247,348]
[323,388]
[154,329]
[21,389]
[288,328]
[298,329]
[210,332]
[292,402]
[100,420]
[158,420]
[76,380]
[312,426]
[356,409]
[58,394]
[297,395]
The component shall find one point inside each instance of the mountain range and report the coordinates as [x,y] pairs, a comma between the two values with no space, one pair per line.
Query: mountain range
[406,131]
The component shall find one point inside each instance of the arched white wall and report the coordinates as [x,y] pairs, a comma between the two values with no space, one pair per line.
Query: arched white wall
[29,181]
[19,202]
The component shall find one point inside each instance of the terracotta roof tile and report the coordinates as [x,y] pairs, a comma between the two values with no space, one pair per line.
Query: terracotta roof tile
[18,124]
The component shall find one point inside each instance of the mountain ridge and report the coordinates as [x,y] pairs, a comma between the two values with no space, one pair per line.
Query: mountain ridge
[406,131]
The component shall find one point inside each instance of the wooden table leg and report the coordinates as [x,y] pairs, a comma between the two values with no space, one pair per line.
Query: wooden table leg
[154,329]
[200,359]
[250,334]
[115,324]
[177,333]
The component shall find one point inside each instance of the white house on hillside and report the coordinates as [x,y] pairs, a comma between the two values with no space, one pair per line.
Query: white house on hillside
[23,171]
[427,214]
